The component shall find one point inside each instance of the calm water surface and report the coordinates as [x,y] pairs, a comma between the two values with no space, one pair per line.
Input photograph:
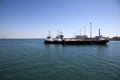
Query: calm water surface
[33,60]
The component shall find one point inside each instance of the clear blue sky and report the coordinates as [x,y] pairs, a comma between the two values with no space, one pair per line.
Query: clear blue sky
[34,18]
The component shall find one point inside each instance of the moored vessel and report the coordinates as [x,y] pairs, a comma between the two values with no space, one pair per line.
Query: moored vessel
[78,40]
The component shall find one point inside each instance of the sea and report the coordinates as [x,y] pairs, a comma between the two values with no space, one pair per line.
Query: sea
[31,59]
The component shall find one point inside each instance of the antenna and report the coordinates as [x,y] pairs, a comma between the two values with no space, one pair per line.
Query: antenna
[90,30]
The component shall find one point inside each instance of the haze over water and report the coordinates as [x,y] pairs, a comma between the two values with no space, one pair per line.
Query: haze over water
[31,59]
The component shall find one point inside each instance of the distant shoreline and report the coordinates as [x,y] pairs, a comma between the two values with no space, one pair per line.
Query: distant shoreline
[42,38]
[19,38]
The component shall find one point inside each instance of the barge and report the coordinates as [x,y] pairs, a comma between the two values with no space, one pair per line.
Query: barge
[78,40]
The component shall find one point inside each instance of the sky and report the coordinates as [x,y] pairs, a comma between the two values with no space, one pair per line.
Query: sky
[34,18]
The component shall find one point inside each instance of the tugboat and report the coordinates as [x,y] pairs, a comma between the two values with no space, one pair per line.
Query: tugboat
[49,39]
[57,40]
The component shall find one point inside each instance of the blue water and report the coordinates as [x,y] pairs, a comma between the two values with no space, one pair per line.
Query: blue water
[31,59]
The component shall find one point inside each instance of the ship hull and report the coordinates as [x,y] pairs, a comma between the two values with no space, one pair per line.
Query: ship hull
[98,42]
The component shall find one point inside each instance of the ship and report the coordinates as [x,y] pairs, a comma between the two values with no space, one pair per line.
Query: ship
[77,40]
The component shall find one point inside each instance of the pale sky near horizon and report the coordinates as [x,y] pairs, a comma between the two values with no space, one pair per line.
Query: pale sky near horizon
[34,18]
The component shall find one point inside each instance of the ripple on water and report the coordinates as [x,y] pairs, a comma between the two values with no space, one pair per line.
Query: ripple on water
[31,59]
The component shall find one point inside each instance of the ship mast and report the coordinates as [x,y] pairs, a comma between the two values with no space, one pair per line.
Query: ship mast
[80,31]
[99,32]
[60,32]
[49,33]
[90,30]
[57,32]
[84,30]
